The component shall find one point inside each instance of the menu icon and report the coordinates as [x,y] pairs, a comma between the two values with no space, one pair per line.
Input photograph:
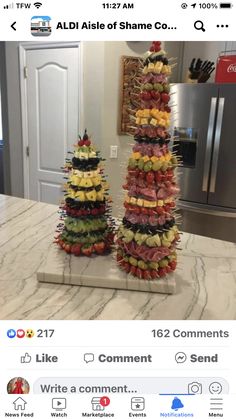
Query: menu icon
[216,404]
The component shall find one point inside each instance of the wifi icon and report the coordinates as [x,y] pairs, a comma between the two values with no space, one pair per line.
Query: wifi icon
[37,4]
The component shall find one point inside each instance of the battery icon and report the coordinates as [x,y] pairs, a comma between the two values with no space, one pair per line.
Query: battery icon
[225,5]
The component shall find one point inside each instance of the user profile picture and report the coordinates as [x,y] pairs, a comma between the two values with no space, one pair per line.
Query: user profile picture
[18,385]
[41,26]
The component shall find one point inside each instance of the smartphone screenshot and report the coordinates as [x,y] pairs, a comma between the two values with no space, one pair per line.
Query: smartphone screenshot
[117,205]
[117,369]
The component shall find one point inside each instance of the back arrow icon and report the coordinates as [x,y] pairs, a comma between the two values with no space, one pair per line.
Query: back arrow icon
[13,26]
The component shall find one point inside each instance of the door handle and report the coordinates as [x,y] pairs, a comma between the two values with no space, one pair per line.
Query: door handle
[217,144]
[210,131]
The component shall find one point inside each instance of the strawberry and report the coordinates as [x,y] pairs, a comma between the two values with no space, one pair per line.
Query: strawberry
[87,250]
[142,174]
[99,247]
[150,177]
[87,143]
[168,269]
[158,176]
[94,211]
[76,249]
[133,270]
[81,143]
[67,248]
[145,95]
[160,210]
[162,272]
[151,211]
[165,97]
[144,210]
[127,267]
[155,95]
[154,274]
[146,275]
[173,265]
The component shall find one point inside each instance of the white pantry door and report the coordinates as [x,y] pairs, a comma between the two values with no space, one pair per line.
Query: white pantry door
[52,91]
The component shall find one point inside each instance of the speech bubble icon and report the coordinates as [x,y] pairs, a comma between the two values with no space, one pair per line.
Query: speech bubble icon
[88,357]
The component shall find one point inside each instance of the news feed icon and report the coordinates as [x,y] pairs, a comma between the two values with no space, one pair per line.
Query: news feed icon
[41,26]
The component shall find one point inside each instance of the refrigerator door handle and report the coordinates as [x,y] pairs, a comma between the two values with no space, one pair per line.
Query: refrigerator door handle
[217,144]
[210,131]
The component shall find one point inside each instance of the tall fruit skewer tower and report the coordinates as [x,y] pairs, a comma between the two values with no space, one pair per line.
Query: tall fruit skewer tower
[148,235]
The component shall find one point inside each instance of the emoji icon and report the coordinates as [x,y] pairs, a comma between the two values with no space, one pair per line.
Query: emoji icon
[20,333]
[215,388]
[29,333]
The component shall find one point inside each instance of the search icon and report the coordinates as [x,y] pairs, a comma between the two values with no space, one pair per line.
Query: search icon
[199,26]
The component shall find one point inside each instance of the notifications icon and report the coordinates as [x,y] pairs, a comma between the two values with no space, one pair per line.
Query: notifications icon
[88,357]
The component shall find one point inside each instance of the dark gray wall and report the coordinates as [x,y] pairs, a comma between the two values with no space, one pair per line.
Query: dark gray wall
[14,118]
[5,132]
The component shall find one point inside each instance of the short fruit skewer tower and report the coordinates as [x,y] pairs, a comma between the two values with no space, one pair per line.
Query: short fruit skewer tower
[85,227]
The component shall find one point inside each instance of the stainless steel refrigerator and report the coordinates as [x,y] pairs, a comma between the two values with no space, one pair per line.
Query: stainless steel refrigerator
[204,123]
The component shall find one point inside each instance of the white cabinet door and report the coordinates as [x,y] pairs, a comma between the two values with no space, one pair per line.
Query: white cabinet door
[52,87]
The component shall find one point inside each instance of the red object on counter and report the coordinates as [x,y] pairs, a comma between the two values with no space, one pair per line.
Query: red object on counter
[226,68]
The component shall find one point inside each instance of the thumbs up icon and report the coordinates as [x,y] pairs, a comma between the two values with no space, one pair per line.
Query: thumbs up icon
[26,359]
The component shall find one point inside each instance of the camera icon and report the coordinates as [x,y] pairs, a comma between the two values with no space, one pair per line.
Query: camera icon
[195,388]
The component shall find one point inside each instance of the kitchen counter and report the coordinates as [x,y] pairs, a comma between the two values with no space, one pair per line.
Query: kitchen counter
[206,276]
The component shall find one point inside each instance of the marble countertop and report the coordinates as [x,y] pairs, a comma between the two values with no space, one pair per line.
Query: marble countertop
[206,276]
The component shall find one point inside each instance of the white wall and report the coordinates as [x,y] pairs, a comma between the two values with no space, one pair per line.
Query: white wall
[93,89]
[101,82]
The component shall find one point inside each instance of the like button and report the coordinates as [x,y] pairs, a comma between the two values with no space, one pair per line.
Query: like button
[26,359]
